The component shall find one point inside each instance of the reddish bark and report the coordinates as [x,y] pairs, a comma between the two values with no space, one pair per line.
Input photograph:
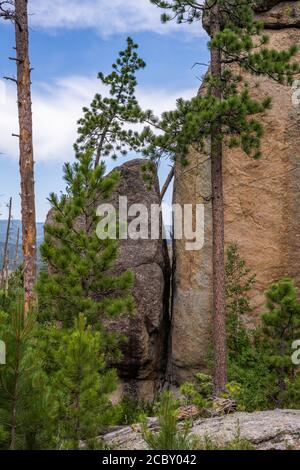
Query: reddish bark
[26,150]
[219,302]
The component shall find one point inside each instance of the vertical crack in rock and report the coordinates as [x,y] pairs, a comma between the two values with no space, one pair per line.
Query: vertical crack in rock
[143,367]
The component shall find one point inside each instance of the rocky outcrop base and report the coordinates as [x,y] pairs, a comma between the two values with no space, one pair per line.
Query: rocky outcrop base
[265,430]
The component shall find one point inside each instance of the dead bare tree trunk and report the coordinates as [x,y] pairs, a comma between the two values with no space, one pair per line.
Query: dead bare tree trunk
[219,311]
[7,273]
[26,150]
[167,182]
[16,260]
[5,253]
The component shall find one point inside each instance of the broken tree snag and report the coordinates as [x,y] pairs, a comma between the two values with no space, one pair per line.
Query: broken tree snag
[5,254]
[6,9]
[26,151]
[167,183]
[16,260]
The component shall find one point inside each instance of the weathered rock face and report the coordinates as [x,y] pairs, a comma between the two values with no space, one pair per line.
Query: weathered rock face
[283,15]
[280,17]
[145,350]
[264,5]
[265,430]
[262,211]
[192,279]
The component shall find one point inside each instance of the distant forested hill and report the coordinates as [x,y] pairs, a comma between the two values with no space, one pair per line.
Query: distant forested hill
[15,224]
[40,237]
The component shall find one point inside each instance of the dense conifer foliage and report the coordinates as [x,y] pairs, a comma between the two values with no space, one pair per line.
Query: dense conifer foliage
[79,279]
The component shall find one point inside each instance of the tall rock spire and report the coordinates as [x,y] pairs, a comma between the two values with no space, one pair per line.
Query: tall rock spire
[262,211]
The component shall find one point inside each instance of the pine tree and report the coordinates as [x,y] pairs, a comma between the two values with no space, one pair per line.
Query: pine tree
[246,367]
[169,436]
[102,127]
[84,385]
[10,295]
[79,279]
[239,282]
[224,115]
[26,403]
[80,283]
[281,327]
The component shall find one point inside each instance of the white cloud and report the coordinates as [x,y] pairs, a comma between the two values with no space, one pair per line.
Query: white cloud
[106,16]
[56,109]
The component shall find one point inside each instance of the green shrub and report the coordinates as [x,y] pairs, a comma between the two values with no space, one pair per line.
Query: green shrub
[239,281]
[280,327]
[26,402]
[259,361]
[129,411]
[198,393]
[169,436]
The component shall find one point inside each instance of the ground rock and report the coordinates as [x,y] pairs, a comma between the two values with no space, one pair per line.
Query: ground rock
[265,430]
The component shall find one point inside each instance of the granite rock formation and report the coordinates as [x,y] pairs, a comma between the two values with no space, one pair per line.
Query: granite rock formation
[262,211]
[145,351]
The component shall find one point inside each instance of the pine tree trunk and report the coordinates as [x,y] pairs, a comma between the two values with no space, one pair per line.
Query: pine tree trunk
[219,312]
[26,151]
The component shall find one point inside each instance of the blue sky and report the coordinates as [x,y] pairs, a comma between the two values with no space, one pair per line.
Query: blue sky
[69,43]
